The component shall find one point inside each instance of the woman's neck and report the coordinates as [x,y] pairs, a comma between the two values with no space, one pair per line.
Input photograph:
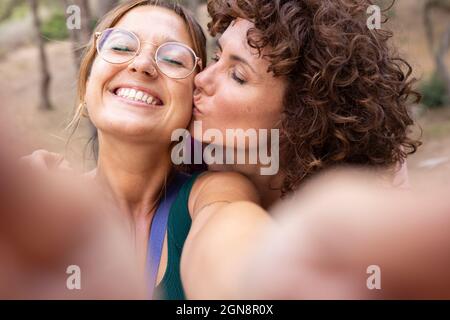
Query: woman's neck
[133,174]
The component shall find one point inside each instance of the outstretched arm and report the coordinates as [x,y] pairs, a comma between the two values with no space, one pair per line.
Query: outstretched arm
[324,243]
[226,225]
[346,237]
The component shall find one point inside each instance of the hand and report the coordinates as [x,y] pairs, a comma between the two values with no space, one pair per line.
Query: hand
[50,221]
[340,224]
[45,160]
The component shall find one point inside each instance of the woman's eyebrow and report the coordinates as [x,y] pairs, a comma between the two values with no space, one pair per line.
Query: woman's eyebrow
[235,57]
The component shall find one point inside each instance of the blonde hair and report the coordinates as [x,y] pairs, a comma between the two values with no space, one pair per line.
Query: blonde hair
[109,21]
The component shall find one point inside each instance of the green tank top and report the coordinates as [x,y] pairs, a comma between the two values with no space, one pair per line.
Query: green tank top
[178,226]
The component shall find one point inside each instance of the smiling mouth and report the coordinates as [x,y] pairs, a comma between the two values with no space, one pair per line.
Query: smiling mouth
[135,95]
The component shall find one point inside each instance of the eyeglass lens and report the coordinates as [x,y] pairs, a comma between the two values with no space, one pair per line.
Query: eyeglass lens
[119,46]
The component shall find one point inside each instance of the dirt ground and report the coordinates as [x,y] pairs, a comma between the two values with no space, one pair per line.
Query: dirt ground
[19,98]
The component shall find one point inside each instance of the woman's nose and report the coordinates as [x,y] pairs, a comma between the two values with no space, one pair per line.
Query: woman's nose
[204,80]
[144,64]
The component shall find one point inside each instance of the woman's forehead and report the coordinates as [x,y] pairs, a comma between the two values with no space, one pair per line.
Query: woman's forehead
[235,40]
[157,24]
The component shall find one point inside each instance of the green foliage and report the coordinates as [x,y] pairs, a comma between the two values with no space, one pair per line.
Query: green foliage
[13,10]
[384,5]
[434,92]
[20,11]
[55,27]
[93,23]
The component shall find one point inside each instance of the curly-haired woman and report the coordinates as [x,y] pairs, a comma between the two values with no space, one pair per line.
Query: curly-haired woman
[312,68]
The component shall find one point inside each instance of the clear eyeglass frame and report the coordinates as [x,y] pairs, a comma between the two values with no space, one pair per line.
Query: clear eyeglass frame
[197,60]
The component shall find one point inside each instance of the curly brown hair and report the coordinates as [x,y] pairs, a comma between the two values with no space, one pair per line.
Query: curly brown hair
[346,101]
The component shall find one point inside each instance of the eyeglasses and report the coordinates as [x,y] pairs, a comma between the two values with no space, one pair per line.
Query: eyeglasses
[174,59]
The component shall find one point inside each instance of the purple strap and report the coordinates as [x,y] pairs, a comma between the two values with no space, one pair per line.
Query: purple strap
[158,229]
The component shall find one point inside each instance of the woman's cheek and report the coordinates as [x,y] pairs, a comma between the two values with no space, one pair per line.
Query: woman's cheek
[236,106]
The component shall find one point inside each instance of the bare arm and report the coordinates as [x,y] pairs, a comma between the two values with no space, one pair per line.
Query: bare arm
[322,245]
[226,225]
[331,236]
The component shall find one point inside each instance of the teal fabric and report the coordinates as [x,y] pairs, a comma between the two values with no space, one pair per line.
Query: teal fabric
[178,226]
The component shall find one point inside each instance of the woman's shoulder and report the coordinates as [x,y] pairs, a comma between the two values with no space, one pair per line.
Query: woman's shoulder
[221,178]
[199,189]
[213,186]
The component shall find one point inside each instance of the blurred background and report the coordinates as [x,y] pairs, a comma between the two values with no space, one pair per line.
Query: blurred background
[39,59]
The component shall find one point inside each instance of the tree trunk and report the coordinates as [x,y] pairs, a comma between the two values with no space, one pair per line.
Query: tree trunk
[102,7]
[193,5]
[9,9]
[439,48]
[441,67]
[45,74]
[80,38]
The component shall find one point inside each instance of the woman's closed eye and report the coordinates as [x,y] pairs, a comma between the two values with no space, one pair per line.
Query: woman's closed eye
[173,61]
[236,76]
[121,48]
[120,45]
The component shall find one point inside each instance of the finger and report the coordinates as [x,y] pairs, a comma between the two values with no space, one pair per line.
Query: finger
[65,165]
[38,162]
[50,158]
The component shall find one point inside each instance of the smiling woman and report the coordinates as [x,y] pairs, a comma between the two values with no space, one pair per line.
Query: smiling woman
[278,65]
[136,86]
[114,114]
[191,34]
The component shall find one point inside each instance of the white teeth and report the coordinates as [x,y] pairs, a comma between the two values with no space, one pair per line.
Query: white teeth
[139,95]
[136,95]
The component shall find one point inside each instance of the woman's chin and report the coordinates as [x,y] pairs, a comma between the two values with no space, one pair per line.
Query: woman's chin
[126,129]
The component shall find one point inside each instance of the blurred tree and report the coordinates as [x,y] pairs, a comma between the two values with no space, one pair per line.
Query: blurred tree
[193,5]
[45,74]
[440,45]
[90,11]
[80,37]
[102,7]
[8,8]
